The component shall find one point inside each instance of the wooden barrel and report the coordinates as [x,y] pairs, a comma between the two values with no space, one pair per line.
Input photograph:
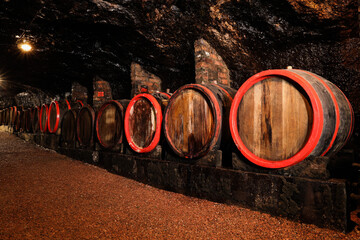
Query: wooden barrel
[18,123]
[110,123]
[55,114]
[13,113]
[85,122]
[196,119]
[280,117]
[35,119]
[28,120]
[68,127]
[143,120]
[2,111]
[23,120]
[7,116]
[10,123]
[43,120]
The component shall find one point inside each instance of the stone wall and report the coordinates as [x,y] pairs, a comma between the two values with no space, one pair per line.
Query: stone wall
[79,92]
[209,65]
[142,78]
[102,92]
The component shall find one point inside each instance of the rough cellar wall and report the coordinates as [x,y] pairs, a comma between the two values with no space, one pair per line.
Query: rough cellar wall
[78,40]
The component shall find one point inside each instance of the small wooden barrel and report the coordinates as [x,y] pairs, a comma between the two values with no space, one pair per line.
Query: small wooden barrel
[18,123]
[2,111]
[44,112]
[16,126]
[85,122]
[2,116]
[68,127]
[55,114]
[35,119]
[110,123]
[194,119]
[13,113]
[280,117]
[7,116]
[143,119]
[23,120]
[28,120]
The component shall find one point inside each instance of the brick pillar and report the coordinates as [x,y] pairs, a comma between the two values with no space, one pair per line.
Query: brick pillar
[79,92]
[209,65]
[140,77]
[102,92]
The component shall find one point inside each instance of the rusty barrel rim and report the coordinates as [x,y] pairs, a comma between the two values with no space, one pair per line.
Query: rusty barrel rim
[159,117]
[215,108]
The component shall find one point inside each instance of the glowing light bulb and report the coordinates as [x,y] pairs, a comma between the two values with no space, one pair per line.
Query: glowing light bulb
[25,47]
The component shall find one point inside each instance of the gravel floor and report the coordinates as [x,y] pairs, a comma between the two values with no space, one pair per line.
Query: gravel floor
[44,195]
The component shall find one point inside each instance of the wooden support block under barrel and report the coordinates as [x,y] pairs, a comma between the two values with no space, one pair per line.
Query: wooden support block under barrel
[156,153]
[213,158]
[50,141]
[311,167]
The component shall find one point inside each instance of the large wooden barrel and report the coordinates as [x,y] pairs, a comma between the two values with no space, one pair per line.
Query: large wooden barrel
[43,120]
[55,114]
[85,122]
[143,120]
[35,119]
[68,127]
[196,119]
[280,117]
[110,123]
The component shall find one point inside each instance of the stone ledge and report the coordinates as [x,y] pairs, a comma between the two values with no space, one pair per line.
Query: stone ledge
[324,203]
